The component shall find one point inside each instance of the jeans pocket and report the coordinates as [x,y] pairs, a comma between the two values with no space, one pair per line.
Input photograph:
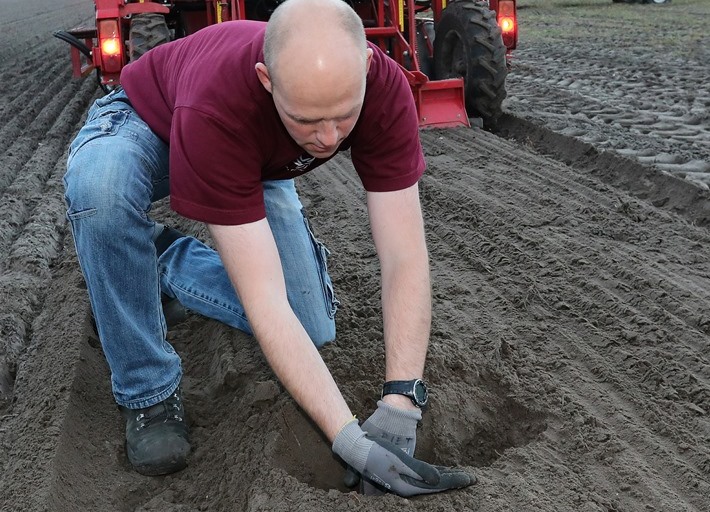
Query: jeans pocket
[322,253]
[105,124]
[81,214]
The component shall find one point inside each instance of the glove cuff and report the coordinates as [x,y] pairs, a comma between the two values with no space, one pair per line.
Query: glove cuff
[352,446]
[393,419]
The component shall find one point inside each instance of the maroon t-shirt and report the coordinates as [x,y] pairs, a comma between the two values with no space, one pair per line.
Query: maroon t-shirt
[201,94]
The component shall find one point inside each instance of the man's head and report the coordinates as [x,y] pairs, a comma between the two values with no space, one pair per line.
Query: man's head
[315,64]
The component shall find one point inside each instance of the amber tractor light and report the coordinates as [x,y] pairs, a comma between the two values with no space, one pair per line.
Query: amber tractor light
[508,23]
[111,46]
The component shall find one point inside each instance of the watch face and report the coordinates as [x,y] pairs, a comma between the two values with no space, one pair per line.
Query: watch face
[421,395]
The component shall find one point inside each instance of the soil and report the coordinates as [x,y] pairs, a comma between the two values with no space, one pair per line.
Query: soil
[570,348]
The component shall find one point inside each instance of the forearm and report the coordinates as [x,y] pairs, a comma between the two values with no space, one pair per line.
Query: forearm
[398,232]
[251,259]
[300,368]
[406,306]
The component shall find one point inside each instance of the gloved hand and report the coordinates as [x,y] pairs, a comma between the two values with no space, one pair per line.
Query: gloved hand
[388,466]
[398,426]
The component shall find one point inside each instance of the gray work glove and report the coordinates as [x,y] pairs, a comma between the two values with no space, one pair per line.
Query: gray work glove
[389,467]
[398,426]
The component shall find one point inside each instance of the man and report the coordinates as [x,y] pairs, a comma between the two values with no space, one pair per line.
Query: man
[234,112]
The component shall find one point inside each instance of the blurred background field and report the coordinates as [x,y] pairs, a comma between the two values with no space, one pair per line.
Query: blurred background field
[632,78]
[681,27]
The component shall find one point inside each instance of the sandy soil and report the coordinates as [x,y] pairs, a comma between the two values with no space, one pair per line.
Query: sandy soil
[569,351]
[629,78]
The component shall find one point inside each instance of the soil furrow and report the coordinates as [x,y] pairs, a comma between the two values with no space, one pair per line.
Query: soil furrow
[30,171]
[24,97]
[32,229]
[33,122]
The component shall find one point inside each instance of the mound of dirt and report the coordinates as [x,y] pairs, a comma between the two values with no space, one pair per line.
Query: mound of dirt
[569,359]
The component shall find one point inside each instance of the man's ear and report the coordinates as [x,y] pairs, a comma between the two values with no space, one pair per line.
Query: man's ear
[369,59]
[263,74]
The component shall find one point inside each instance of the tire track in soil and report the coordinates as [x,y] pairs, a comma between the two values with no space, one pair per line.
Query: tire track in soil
[635,90]
[588,95]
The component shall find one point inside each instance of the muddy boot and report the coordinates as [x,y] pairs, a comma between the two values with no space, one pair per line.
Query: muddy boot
[157,437]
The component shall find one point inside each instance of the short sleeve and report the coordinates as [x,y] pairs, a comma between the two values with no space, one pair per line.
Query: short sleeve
[386,151]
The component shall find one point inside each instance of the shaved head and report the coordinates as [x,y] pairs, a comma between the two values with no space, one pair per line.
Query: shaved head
[315,67]
[306,33]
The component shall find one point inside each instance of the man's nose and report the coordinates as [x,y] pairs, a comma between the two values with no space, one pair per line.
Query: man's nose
[327,134]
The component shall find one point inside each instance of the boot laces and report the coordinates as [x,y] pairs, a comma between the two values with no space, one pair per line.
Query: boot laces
[169,409]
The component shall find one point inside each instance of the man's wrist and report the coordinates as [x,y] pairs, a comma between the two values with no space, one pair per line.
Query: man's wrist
[352,446]
[351,420]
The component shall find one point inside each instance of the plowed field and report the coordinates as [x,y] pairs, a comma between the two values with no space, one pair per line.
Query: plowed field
[570,346]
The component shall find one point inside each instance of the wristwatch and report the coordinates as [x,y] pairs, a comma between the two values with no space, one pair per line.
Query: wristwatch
[415,389]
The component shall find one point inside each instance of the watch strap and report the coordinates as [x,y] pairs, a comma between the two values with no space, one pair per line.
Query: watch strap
[398,387]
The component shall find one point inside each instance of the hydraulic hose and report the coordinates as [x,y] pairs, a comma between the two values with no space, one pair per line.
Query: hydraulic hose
[79,45]
[72,40]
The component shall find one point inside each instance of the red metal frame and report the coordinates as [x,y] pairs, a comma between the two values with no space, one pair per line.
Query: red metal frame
[107,10]
[440,103]
[391,25]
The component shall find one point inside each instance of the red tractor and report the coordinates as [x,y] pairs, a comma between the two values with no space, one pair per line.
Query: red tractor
[454,55]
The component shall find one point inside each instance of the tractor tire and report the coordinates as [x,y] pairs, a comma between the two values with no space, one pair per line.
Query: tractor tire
[469,44]
[147,31]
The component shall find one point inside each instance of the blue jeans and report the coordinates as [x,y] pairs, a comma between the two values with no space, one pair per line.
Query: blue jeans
[117,167]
